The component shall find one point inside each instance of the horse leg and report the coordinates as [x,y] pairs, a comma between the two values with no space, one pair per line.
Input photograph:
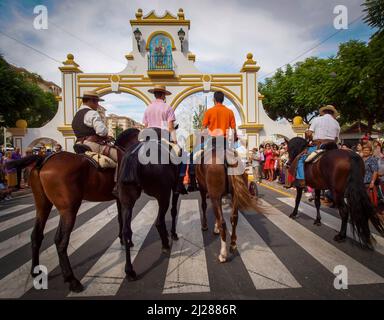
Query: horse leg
[160,222]
[121,223]
[43,209]
[216,203]
[317,204]
[67,221]
[299,192]
[203,194]
[175,199]
[128,195]
[234,219]
[343,211]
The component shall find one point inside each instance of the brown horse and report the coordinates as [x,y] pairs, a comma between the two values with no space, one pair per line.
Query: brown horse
[64,180]
[211,175]
[342,173]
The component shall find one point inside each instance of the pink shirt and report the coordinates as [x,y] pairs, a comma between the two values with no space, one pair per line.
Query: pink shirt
[158,114]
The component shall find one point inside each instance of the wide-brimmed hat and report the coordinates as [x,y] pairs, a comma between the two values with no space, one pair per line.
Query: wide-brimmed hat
[330,108]
[91,95]
[159,88]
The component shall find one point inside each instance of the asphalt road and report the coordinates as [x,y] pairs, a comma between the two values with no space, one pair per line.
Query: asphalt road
[277,258]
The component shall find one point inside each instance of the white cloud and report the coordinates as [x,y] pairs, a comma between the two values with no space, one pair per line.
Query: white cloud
[221,32]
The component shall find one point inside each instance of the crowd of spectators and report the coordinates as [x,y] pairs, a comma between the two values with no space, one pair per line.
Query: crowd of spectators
[12,180]
[269,162]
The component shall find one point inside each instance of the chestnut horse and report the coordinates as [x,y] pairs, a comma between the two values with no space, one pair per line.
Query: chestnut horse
[215,181]
[64,180]
[341,172]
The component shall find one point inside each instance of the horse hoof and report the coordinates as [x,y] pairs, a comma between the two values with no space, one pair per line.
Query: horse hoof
[339,238]
[216,232]
[75,286]
[131,275]
[222,259]
[166,249]
[175,237]
[204,228]
[317,223]
[131,245]
[293,215]
[232,248]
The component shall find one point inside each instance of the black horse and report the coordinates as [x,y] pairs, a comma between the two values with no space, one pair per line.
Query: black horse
[342,172]
[158,180]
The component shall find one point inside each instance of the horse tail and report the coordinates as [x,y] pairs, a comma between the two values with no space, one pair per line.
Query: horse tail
[360,207]
[25,162]
[241,195]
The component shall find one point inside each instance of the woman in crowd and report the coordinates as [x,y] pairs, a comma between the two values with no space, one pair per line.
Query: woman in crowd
[269,162]
[371,172]
[10,174]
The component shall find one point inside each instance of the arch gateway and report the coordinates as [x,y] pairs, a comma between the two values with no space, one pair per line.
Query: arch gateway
[160,55]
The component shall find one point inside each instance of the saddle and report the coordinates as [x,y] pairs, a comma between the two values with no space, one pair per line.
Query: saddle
[102,161]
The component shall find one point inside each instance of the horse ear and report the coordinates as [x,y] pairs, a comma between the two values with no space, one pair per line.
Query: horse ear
[176,126]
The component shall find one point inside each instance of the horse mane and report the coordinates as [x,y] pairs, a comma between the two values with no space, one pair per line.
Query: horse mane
[295,147]
[126,135]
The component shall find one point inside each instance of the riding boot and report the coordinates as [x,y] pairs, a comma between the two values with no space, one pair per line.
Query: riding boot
[180,188]
[192,185]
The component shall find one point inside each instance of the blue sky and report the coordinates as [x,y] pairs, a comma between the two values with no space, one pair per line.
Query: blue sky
[221,34]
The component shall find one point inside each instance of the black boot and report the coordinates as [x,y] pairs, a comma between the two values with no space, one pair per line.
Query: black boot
[192,184]
[180,186]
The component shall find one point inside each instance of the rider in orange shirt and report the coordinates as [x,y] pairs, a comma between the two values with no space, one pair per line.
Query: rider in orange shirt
[219,119]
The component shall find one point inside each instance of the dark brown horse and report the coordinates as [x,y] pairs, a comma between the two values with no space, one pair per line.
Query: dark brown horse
[341,172]
[65,180]
[156,179]
[211,175]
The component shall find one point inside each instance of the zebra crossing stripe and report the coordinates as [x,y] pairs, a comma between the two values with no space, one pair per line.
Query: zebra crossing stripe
[18,282]
[4,212]
[325,253]
[187,269]
[23,238]
[330,221]
[264,267]
[17,220]
[106,276]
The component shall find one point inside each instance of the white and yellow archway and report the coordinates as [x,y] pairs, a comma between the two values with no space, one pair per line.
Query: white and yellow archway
[177,72]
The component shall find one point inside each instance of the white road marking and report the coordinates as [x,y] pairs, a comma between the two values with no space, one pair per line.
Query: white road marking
[264,267]
[325,253]
[107,274]
[187,268]
[330,221]
[21,239]
[18,282]
[4,212]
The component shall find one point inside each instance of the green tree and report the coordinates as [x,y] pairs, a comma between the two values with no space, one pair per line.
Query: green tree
[21,98]
[375,13]
[198,117]
[299,90]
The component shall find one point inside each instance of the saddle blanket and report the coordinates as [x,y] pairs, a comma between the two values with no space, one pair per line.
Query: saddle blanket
[314,156]
[103,161]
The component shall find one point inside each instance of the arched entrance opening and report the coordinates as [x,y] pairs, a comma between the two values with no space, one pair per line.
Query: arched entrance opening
[121,111]
[43,142]
[190,111]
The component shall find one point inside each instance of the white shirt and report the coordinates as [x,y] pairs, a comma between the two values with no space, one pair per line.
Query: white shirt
[93,120]
[325,127]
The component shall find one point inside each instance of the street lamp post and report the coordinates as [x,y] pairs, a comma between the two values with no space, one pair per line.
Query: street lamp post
[2,121]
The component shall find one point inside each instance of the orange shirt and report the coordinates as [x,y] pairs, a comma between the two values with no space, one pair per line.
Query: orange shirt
[218,120]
